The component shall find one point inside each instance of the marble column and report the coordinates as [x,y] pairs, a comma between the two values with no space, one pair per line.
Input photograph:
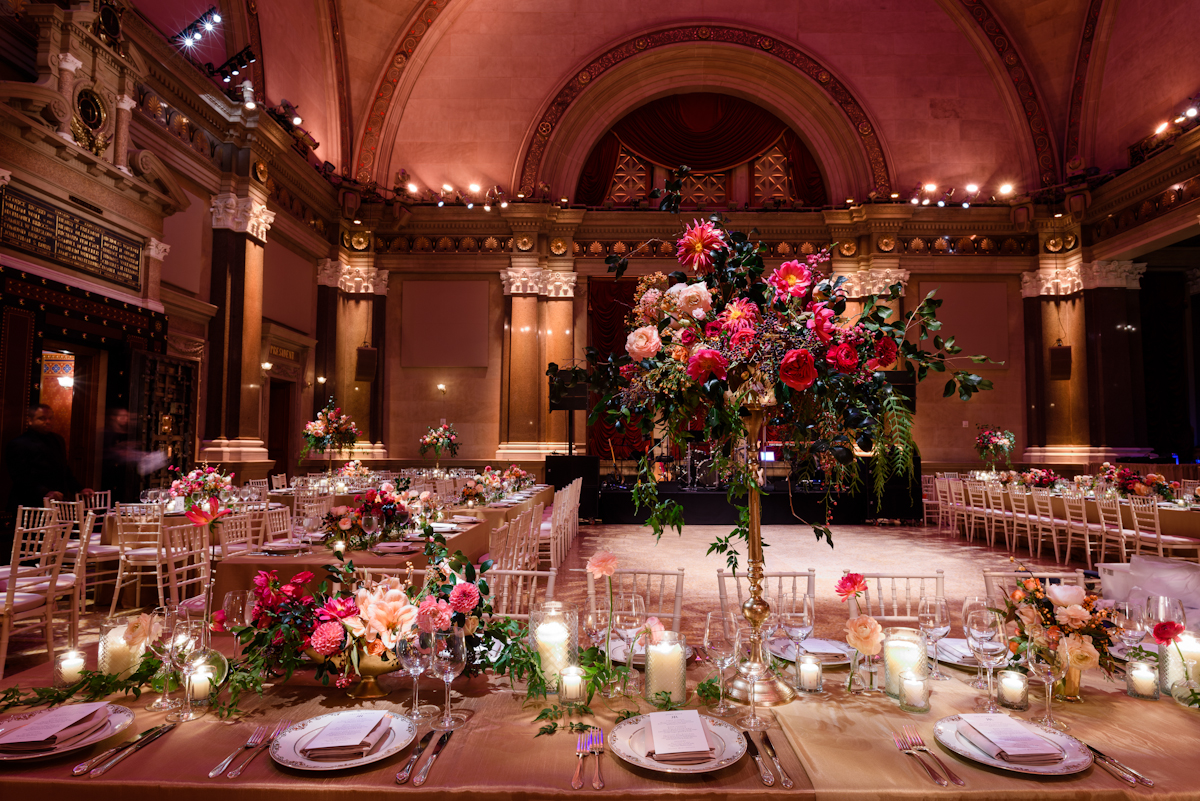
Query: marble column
[1116,384]
[558,346]
[519,430]
[155,252]
[67,65]
[329,272]
[125,106]
[233,433]
[379,341]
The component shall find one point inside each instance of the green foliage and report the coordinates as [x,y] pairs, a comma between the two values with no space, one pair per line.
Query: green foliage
[626,714]
[663,702]
[92,686]
[708,692]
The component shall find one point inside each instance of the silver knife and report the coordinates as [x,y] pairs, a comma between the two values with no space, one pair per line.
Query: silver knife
[84,767]
[767,777]
[1105,757]
[419,779]
[770,749]
[141,743]
[1115,771]
[402,776]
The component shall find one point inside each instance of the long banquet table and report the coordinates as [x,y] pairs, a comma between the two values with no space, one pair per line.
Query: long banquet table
[502,512]
[834,746]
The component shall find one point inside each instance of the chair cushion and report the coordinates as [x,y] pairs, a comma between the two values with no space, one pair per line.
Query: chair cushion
[102,552]
[193,604]
[26,601]
[64,582]
[1177,542]
[141,554]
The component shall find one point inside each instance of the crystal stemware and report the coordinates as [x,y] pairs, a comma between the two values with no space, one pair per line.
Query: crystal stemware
[160,646]
[721,636]
[973,603]
[1045,664]
[989,643]
[416,655]
[933,616]
[187,641]
[751,722]
[596,628]
[1131,623]
[795,620]
[449,658]
[628,618]
[370,525]
[1161,609]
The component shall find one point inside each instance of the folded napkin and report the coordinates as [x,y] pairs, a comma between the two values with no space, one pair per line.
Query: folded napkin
[464,519]
[397,547]
[349,736]
[56,728]
[283,547]
[826,647]
[682,758]
[956,648]
[1008,739]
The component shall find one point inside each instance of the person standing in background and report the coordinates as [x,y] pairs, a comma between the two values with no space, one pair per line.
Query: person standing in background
[120,458]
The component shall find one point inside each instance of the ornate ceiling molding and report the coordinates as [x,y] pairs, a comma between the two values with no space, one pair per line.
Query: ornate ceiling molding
[1071,149]
[241,214]
[837,92]
[342,79]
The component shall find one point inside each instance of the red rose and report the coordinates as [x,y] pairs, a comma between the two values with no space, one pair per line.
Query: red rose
[1167,632]
[798,369]
[706,362]
[885,353]
[688,337]
[842,357]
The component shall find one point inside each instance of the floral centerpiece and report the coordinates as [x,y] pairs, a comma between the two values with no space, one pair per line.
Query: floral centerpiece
[1129,482]
[518,477]
[492,482]
[198,486]
[440,439]
[474,491]
[994,445]
[344,524]
[331,430]
[1038,477]
[353,469]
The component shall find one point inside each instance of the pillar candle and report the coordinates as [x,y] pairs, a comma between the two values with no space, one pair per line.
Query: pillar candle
[810,675]
[200,684]
[665,671]
[552,648]
[1143,680]
[116,656]
[912,692]
[899,656]
[570,686]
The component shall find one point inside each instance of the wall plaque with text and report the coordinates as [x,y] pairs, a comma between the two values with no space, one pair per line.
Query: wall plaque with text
[29,224]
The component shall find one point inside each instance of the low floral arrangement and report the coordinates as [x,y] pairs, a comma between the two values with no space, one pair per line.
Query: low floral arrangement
[199,485]
[440,439]
[1038,477]
[863,633]
[994,445]
[1062,619]
[518,478]
[344,524]
[475,490]
[353,469]
[1130,482]
[1007,477]
[332,430]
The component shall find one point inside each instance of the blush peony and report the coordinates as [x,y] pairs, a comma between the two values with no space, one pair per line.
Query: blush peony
[691,300]
[602,564]
[1066,594]
[642,343]
[798,369]
[706,362]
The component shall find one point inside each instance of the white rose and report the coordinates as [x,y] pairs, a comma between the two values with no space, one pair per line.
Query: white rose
[1072,616]
[1065,594]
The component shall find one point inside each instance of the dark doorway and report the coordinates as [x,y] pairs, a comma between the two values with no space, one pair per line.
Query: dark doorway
[73,385]
[280,428]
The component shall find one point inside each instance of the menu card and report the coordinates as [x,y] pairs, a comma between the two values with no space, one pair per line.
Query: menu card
[56,728]
[351,735]
[679,738]
[1002,737]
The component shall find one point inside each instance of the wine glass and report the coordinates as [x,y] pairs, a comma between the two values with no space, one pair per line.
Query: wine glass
[237,607]
[933,616]
[721,636]
[973,603]
[415,655]
[795,620]
[1130,619]
[160,646]
[187,641]
[449,657]
[370,525]
[596,629]
[144,496]
[745,633]
[1045,664]
[1161,609]
[628,618]
[989,643]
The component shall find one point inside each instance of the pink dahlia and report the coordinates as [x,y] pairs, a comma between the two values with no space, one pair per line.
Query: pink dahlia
[706,362]
[433,615]
[327,638]
[849,585]
[740,315]
[791,280]
[464,597]
[697,244]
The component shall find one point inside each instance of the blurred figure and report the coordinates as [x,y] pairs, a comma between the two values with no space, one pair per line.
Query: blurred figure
[119,459]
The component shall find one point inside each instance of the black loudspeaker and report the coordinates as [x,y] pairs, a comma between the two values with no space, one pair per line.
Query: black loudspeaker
[562,470]
[1060,363]
[366,364]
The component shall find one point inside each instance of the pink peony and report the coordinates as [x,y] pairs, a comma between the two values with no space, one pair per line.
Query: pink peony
[705,362]
[433,615]
[602,564]
[643,343]
[696,245]
[327,638]
[1167,632]
[849,585]
[654,628]
[821,323]
[791,280]
[464,597]
[302,578]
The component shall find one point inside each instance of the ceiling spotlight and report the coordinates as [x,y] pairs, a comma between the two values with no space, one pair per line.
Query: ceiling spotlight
[849,201]
[1006,189]
[914,200]
[1180,118]
[470,204]
[474,187]
[235,71]
[208,26]
[966,204]
[320,379]
[941,203]
[564,201]
[297,119]
[448,187]
[504,204]
[412,188]
[972,188]
[930,187]
[358,222]
[441,201]
[895,195]
[216,17]
[925,202]
[487,206]
[1161,128]
[225,77]
[1191,112]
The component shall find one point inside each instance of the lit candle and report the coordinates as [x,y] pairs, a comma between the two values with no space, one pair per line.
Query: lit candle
[1143,680]
[71,667]
[341,488]
[570,686]
[914,692]
[899,656]
[1013,687]
[339,547]
[116,656]
[665,671]
[471,504]
[810,674]
[200,683]
[552,647]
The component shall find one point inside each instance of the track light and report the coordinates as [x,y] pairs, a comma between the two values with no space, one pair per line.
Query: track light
[413,188]
[233,66]
[474,187]
[447,188]
[930,187]
[248,95]
[216,17]
[1006,189]
[205,23]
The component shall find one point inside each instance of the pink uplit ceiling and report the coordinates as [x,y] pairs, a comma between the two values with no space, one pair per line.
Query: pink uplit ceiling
[934,77]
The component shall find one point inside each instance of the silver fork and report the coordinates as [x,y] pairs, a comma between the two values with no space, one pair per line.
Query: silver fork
[283,724]
[596,746]
[251,741]
[904,749]
[917,743]
[581,751]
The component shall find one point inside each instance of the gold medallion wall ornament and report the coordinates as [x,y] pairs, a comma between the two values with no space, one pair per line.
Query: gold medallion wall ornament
[848,248]
[261,172]
[359,240]
[524,243]
[558,246]
[886,244]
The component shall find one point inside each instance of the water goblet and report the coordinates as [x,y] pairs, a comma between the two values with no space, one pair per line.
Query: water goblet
[628,618]
[751,722]
[160,646]
[721,636]
[933,616]
[1045,665]
[449,658]
[416,655]
[971,604]
[370,525]
[1130,619]
[144,496]
[795,620]
[989,643]
[1161,609]
[187,642]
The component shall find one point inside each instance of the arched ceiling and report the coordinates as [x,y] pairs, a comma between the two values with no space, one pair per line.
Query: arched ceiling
[477,75]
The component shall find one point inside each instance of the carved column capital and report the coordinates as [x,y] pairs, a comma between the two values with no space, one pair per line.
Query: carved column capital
[329,272]
[523,280]
[68,62]
[559,284]
[5,177]
[874,281]
[381,282]
[157,250]
[357,280]
[1051,281]
[126,103]
[241,214]
[1112,275]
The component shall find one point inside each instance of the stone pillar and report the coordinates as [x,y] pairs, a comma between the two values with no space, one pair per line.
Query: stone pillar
[1193,291]
[520,428]
[379,341]
[67,65]
[580,335]
[329,272]
[125,106]
[558,345]
[233,416]
[152,279]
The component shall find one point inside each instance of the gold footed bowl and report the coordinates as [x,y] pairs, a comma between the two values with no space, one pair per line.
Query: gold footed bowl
[370,668]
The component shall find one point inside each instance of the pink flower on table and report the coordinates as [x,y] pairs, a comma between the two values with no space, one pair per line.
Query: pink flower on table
[217,624]
[387,487]
[643,343]
[850,585]
[327,639]
[143,628]
[688,337]
[821,323]
[345,524]
[1167,632]
[337,608]
[790,280]
[690,300]
[696,245]
[1065,594]
[654,629]
[705,362]
[864,634]
[433,615]
[464,597]
[385,614]
[302,578]
[602,563]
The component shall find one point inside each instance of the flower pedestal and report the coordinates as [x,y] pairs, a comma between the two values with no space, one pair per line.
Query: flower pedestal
[756,675]
[370,668]
[1070,688]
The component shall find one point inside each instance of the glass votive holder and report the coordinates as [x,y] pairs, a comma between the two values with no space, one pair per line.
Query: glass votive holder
[1141,681]
[666,667]
[903,649]
[554,631]
[1172,668]
[1012,691]
[810,680]
[68,669]
[914,691]
[201,685]
[571,687]
[116,656]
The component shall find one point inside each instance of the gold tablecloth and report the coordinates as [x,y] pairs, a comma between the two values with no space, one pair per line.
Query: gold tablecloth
[497,516]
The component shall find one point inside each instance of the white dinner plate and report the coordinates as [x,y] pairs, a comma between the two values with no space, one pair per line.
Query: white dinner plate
[955,655]
[286,748]
[628,741]
[119,719]
[639,652]
[782,648]
[1076,756]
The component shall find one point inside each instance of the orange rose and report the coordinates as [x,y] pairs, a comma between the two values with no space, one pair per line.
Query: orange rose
[1017,596]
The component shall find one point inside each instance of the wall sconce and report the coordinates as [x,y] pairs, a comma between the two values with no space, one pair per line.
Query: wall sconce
[320,379]
[442,388]
[266,366]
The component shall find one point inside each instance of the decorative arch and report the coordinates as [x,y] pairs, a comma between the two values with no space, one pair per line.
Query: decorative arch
[816,103]
[1083,61]
[1089,82]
